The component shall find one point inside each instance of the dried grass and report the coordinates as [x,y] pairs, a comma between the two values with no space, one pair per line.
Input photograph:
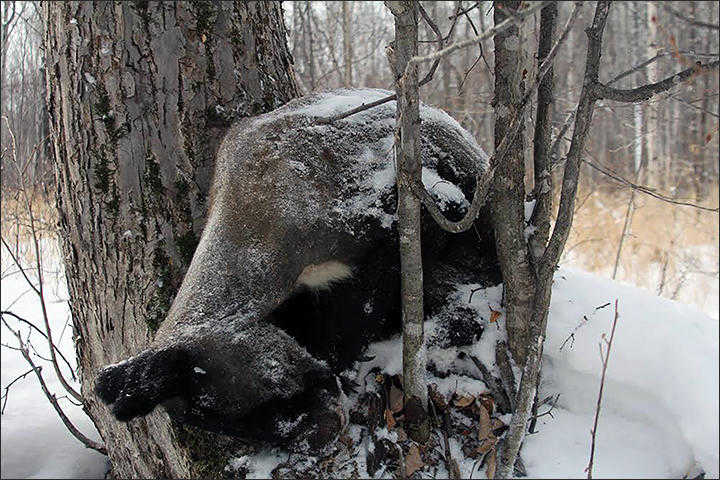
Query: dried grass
[671,250]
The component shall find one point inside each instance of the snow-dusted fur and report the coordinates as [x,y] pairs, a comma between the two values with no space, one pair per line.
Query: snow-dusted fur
[290,191]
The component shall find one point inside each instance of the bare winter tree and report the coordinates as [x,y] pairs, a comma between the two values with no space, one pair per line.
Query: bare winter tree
[409,169]
[140,95]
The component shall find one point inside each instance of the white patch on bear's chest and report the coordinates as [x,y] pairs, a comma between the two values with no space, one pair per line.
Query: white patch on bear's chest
[323,275]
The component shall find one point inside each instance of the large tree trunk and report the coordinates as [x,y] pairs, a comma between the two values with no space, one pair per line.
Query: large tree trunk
[140,94]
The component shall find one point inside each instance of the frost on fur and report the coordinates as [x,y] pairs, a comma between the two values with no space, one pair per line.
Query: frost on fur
[301,237]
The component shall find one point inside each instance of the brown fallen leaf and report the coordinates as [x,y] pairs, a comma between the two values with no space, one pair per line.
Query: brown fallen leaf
[487,401]
[389,419]
[437,397]
[413,462]
[463,402]
[491,464]
[496,423]
[484,426]
[494,315]
[395,399]
[486,445]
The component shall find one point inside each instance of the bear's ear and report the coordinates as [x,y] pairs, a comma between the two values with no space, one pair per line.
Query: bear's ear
[136,386]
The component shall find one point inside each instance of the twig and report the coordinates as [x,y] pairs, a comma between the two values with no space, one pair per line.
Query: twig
[549,411]
[602,386]
[472,41]
[464,12]
[691,21]
[362,107]
[439,36]
[647,190]
[7,388]
[15,260]
[31,325]
[435,56]
[53,400]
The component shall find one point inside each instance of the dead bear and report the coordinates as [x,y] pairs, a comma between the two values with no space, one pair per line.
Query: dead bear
[298,269]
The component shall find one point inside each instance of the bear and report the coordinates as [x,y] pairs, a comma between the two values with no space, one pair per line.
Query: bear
[298,268]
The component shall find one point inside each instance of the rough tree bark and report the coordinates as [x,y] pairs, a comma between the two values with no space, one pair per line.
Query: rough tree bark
[140,94]
[549,259]
[407,149]
[508,192]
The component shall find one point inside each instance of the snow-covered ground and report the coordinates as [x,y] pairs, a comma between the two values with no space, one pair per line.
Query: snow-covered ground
[660,406]
[35,443]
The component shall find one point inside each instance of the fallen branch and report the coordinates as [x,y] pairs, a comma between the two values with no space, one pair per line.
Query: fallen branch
[498,393]
[450,463]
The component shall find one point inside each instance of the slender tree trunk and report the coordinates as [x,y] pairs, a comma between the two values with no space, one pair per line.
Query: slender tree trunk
[660,165]
[310,47]
[347,43]
[140,94]
[407,148]
[548,263]
[508,190]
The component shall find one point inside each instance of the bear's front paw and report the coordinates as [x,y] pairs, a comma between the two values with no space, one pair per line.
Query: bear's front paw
[135,386]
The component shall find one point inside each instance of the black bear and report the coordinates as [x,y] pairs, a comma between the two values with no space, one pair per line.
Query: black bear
[297,268]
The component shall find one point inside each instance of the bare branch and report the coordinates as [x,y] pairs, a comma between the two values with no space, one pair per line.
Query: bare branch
[645,189]
[53,399]
[39,290]
[16,261]
[646,92]
[691,21]
[439,36]
[464,12]
[362,107]
[7,388]
[436,56]
[32,325]
[472,41]
[483,184]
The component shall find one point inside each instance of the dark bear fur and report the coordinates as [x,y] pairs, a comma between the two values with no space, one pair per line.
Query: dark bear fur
[244,348]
